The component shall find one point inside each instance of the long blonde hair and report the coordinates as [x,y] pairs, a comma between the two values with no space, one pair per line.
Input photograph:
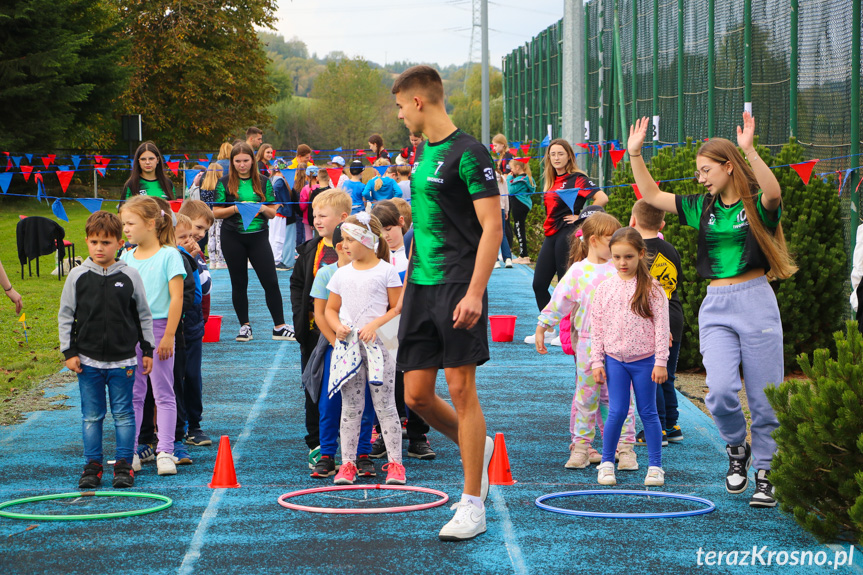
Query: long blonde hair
[214,174]
[550,173]
[525,167]
[148,209]
[225,151]
[743,181]
[600,224]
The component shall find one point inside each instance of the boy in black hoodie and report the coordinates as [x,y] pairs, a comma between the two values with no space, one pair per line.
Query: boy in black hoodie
[103,315]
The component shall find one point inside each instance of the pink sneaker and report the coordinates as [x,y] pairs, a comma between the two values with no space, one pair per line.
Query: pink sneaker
[395,473]
[347,474]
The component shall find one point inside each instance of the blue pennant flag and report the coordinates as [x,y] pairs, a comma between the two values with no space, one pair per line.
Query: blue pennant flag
[190,176]
[545,141]
[339,149]
[38,191]
[381,169]
[17,160]
[5,178]
[166,157]
[29,157]
[248,211]
[289,176]
[75,161]
[209,157]
[92,204]
[569,196]
[59,211]
[515,145]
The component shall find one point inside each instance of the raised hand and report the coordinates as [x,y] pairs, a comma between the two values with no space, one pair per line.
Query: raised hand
[637,134]
[746,135]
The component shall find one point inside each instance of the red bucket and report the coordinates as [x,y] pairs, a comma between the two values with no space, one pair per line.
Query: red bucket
[213,329]
[502,327]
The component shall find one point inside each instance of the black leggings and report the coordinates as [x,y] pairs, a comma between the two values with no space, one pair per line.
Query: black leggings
[552,260]
[518,216]
[254,247]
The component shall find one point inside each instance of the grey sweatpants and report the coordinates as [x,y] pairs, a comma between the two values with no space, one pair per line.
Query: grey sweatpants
[741,324]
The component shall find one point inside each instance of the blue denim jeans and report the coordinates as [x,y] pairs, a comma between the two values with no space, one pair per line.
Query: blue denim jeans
[92,382]
[505,251]
[666,397]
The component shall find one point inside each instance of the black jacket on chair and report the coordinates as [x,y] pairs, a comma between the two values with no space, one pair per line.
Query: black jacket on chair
[38,236]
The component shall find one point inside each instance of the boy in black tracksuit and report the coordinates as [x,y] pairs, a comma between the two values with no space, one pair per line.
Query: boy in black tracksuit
[334,207]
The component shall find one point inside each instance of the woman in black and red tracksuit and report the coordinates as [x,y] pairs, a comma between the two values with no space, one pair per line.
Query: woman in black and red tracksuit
[561,173]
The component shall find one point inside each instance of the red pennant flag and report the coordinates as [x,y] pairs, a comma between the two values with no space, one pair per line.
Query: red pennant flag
[635,189]
[522,160]
[48,159]
[584,146]
[525,148]
[174,167]
[98,159]
[186,156]
[101,165]
[335,174]
[513,151]
[65,176]
[25,170]
[804,170]
[361,153]
[616,156]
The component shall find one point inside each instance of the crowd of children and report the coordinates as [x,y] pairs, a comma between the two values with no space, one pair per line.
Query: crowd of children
[617,304]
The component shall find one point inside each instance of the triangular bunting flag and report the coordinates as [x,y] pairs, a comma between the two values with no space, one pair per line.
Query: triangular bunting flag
[17,160]
[5,178]
[97,159]
[65,176]
[616,156]
[545,141]
[92,204]
[167,157]
[29,157]
[513,151]
[186,156]
[335,174]
[76,161]
[174,167]
[804,170]
[635,189]
[25,171]
[522,160]
[360,152]
[289,176]
[381,169]
[39,185]
[525,148]
[339,149]
[248,212]
[209,158]
[8,163]
[569,196]
[48,159]
[584,146]
[100,166]
[59,210]
[190,176]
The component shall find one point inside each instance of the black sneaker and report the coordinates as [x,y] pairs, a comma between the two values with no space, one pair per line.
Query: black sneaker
[281,267]
[123,474]
[92,476]
[197,437]
[379,448]
[763,496]
[420,449]
[640,440]
[674,434]
[245,333]
[739,461]
[325,467]
[284,333]
[366,467]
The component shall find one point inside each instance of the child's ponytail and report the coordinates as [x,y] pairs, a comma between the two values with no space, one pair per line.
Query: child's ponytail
[644,281]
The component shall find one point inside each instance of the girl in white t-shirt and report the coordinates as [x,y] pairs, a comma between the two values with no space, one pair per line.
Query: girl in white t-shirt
[363,297]
[394,229]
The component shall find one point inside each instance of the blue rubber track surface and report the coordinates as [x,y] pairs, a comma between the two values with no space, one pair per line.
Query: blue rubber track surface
[253,394]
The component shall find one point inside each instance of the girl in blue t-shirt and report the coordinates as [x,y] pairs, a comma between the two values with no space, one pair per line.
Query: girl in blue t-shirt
[740,245]
[160,266]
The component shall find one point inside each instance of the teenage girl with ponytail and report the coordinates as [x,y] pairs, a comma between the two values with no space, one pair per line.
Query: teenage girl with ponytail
[160,266]
[740,247]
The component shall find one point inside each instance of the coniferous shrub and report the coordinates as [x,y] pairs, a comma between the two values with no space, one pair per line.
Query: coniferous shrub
[818,468]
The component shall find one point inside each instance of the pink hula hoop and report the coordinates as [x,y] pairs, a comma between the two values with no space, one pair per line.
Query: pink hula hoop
[402,509]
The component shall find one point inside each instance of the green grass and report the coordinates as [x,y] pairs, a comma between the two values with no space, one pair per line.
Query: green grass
[24,365]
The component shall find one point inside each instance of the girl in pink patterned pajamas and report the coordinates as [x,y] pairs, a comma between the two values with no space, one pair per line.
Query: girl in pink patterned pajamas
[589,263]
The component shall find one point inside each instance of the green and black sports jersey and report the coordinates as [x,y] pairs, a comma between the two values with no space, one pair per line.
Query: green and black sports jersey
[446,179]
[150,188]
[726,245]
[245,193]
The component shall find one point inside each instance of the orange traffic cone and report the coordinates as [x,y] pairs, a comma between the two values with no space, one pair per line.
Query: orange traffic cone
[498,468]
[224,474]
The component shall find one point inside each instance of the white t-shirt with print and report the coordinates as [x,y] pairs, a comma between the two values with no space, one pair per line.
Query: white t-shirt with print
[399,259]
[363,292]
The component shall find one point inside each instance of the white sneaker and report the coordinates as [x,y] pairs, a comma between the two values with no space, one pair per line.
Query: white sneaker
[556,342]
[468,522]
[486,459]
[507,263]
[549,336]
[496,264]
[136,463]
[606,474]
[531,339]
[166,464]
[655,477]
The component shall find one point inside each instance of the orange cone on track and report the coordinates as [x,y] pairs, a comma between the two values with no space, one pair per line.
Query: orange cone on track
[498,468]
[224,474]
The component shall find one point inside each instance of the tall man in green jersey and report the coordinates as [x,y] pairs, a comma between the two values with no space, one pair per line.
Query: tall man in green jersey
[444,305]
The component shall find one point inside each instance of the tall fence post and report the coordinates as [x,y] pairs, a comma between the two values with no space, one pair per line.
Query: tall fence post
[634,79]
[681,53]
[654,110]
[587,72]
[792,84]
[618,69]
[602,119]
[855,124]
[747,55]
[711,65]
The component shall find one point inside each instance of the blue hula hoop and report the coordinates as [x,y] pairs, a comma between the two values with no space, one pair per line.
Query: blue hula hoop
[540,502]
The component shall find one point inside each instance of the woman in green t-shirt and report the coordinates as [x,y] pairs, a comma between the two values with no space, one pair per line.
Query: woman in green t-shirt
[740,246]
[240,244]
[148,176]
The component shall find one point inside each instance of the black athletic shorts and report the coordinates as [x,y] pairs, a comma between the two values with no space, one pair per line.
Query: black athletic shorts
[427,338]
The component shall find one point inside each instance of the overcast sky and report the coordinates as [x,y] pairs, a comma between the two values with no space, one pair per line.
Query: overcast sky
[436,31]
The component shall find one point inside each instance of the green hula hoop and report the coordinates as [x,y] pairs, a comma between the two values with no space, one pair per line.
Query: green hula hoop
[166,502]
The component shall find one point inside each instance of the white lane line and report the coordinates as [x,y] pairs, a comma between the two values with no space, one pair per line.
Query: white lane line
[194,551]
[509,538]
